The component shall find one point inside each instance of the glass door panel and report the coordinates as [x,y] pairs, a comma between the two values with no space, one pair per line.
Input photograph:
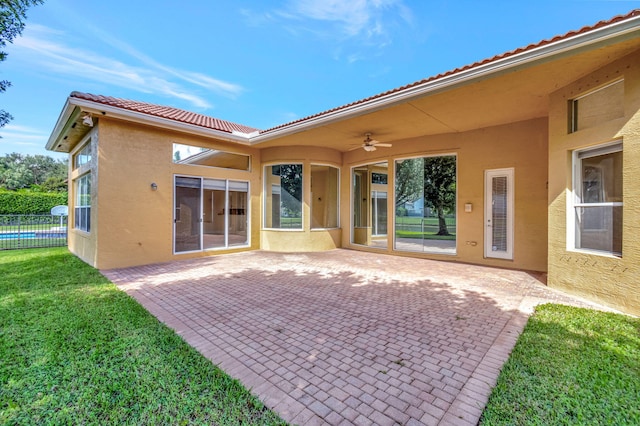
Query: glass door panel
[379,211]
[214,201]
[187,214]
[237,219]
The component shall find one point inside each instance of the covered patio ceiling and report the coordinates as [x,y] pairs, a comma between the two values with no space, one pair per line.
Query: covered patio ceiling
[515,94]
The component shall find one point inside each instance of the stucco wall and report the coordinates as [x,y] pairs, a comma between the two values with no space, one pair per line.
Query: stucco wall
[611,280]
[135,224]
[521,145]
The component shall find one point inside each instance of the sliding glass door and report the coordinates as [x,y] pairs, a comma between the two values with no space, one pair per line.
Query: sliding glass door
[210,214]
[425,207]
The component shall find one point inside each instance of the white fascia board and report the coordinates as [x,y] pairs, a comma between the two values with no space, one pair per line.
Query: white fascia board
[116,112]
[67,116]
[621,30]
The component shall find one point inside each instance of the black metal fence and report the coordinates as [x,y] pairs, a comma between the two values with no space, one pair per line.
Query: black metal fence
[32,231]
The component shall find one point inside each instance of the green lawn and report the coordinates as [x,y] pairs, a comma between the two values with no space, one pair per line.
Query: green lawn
[570,366]
[75,350]
[424,235]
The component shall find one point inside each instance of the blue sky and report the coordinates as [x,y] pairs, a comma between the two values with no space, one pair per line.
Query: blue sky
[258,63]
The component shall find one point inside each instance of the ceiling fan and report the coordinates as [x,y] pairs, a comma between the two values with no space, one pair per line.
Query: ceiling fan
[370,145]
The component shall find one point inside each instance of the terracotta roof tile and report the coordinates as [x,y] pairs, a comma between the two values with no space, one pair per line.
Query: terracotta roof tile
[604,23]
[167,112]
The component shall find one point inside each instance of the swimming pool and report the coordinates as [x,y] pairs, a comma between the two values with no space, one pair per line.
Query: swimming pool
[19,235]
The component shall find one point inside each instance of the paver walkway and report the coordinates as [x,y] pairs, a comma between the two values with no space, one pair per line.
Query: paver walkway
[347,337]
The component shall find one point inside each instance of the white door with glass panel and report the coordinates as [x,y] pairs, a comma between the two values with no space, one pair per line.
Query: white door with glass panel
[498,213]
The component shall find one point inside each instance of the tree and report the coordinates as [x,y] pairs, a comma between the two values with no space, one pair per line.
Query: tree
[440,187]
[409,181]
[13,13]
[291,184]
[18,171]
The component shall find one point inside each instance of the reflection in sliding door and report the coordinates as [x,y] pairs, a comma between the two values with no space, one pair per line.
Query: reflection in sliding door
[237,219]
[187,214]
[214,197]
[379,212]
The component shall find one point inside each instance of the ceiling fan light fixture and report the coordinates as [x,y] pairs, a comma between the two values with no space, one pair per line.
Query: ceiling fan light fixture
[369,148]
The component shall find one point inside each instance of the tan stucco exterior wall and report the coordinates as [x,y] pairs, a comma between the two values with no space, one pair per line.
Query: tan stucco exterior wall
[611,280]
[521,145]
[134,223]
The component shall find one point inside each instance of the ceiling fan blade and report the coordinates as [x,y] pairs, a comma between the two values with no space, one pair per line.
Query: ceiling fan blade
[384,145]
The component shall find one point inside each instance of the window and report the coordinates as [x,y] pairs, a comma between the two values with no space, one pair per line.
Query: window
[200,156]
[324,197]
[82,215]
[425,197]
[380,178]
[597,107]
[83,156]
[598,199]
[283,196]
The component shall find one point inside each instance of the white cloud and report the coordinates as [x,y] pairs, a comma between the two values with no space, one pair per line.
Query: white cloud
[16,138]
[355,18]
[53,54]
[355,29]
[23,133]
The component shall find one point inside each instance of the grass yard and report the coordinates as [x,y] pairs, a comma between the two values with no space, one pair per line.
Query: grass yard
[570,366]
[75,350]
[425,235]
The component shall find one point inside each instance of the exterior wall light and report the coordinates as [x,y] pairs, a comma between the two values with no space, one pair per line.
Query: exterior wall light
[154,186]
[87,120]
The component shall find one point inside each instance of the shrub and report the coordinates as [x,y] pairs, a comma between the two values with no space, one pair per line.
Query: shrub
[26,202]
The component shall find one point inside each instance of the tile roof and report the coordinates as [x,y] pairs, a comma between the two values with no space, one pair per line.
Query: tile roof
[586,29]
[167,112]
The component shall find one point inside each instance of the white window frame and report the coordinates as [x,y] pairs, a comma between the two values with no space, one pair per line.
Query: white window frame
[85,152]
[81,184]
[574,195]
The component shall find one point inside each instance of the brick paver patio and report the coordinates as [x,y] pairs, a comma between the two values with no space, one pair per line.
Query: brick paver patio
[346,337]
